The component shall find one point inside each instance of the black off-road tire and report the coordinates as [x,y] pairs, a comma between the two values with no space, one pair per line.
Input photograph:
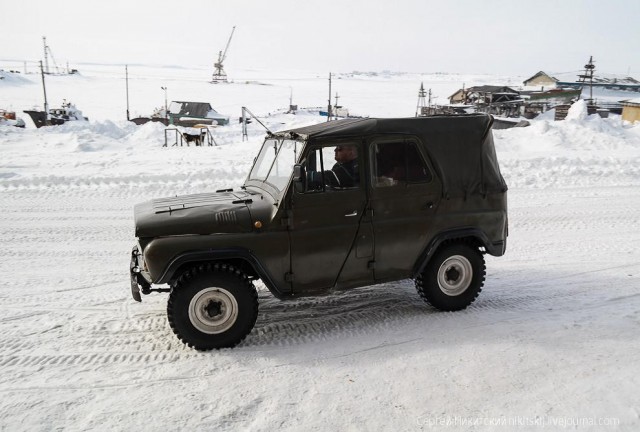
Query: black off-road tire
[453,278]
[212,306]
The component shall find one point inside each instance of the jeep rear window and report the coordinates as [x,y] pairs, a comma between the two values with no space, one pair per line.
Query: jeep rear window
[400,163]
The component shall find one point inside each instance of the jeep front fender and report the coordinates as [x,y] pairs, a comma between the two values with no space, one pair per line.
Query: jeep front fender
[187,259]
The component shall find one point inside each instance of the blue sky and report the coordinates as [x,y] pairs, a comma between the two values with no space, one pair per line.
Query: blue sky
[491,36]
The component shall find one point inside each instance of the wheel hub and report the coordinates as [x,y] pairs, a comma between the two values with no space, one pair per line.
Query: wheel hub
[452,275]
[213,310]
[455,275]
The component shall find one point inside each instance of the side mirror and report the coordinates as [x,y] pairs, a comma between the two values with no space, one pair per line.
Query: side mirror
[299,178]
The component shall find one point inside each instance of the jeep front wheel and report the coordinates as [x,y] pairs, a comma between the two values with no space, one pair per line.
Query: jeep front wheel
[453,278]
[213,306]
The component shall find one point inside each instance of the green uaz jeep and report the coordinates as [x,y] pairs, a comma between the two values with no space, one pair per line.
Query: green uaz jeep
[337,205]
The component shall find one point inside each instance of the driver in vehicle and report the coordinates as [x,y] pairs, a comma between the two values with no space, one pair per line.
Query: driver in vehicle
[346,168]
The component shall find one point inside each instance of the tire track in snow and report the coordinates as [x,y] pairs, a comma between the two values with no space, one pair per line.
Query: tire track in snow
[98,325]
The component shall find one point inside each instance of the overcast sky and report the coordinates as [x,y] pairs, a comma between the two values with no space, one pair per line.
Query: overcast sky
[468,36]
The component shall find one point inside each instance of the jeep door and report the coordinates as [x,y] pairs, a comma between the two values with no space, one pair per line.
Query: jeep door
[404,197]
[331,236]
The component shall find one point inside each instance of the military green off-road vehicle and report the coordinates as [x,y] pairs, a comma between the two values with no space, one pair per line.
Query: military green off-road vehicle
[423,199]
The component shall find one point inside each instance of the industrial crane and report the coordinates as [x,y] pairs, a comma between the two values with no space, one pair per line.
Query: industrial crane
[47,53]
[219,75]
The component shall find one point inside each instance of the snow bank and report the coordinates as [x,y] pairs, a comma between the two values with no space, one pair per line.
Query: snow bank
[577,111]
[12,79]
[580,151]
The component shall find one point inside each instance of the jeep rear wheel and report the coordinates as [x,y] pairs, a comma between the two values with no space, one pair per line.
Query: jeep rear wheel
[213,306]
[453,278]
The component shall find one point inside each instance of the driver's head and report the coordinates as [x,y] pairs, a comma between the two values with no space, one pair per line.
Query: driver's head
[345,153]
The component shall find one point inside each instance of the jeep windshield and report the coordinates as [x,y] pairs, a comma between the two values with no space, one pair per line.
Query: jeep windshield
[273,167]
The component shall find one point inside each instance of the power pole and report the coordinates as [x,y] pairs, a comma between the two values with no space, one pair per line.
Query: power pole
[126,74]
[166,109]
[46,104]
[589,68]
[421,101]
[329,108]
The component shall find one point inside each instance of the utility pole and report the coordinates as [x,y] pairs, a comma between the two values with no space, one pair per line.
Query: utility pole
[244,119]
[46,104]
[329,107]
[126,74]
[166,109]
[589,68]
[421,101]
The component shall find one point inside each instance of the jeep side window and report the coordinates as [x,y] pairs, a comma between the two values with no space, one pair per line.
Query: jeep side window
[400,162]
[332,167]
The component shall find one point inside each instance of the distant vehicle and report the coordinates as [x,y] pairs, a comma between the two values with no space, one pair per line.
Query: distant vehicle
[192,113]
[158,116]
[8,118]
[56,116]
[187,114]
[420,198]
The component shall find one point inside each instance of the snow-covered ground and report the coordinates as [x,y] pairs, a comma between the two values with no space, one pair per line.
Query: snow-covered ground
[551,343]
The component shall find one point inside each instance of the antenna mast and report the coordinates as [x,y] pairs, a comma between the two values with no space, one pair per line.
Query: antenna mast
[589,68]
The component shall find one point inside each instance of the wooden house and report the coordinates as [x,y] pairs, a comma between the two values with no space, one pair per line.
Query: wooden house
[457,97]
[541,79]
[631,110]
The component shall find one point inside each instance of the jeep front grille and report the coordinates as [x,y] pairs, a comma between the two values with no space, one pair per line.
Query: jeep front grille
[226,217]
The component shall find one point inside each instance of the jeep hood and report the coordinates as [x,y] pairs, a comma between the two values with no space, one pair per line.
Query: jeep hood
[220,212]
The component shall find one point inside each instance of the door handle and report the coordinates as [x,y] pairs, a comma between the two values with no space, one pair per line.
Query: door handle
[354,213]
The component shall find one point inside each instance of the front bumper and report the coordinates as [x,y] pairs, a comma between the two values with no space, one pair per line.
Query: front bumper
[139,285]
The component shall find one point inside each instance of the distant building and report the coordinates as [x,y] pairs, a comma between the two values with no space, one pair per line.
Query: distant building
[609,81]
[541,79]
[497,100]
[631,110]
[484,95]
[457,97]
